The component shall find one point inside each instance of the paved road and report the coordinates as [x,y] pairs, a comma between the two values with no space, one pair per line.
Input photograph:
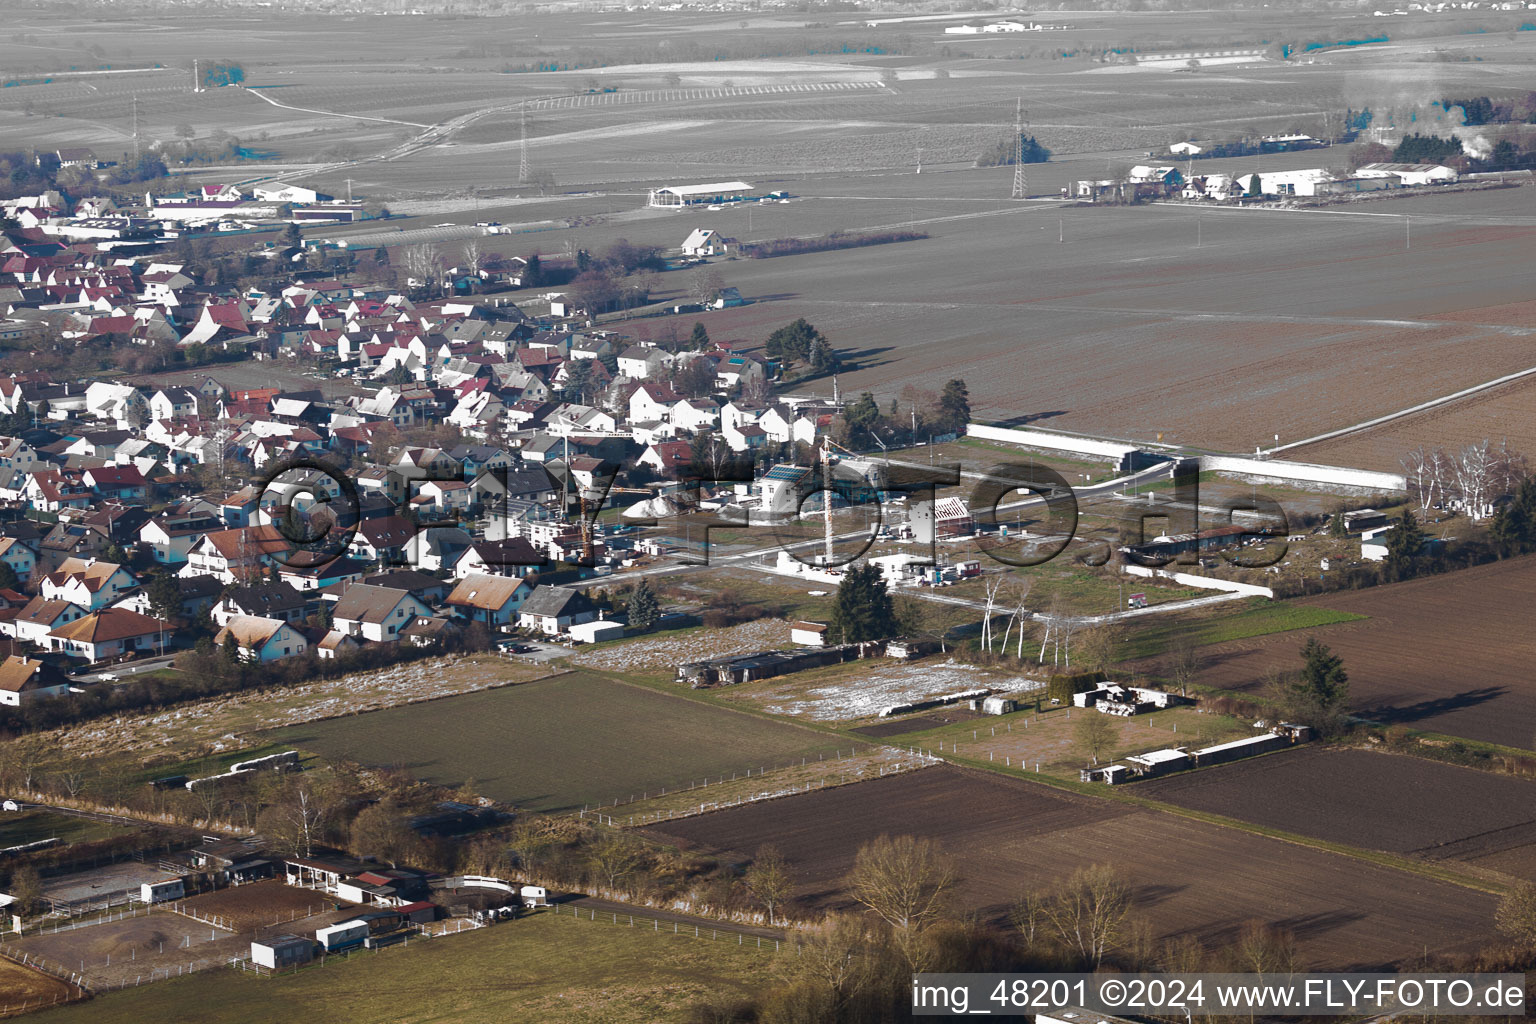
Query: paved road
[125,671]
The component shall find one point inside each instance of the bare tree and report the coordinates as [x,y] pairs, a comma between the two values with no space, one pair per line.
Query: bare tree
[770,879]
[1027,915]
[614,856]
[992,587]
[1095,733]
[424,264]
[1184,662]
[295,821]
[1264,949]
[474,254]
[1089,912]
[1098,646]
[906,881]
[705,284]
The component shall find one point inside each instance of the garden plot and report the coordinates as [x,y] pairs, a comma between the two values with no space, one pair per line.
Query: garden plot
[872,689]
[669,651]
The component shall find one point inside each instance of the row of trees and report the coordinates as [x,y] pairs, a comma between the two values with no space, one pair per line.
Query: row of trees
[1473,479]
[926,414]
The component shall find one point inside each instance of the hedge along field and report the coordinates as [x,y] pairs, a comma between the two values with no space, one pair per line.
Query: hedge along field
[561,743]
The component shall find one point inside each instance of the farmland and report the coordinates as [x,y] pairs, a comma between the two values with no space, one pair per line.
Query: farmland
[564,742]
[1457,813]
[1188,876]
[1448,654]
[21,985]
[540,969]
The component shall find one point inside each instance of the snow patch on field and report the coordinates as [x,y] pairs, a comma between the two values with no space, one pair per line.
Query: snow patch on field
[865,695]
[665,651]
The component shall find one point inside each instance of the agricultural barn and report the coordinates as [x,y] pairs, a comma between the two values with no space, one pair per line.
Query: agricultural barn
[282,951]
[159,892]
[692,195]
[1409,174]
[282,192]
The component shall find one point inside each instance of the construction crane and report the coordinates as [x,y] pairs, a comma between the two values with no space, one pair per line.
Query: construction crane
[827,458]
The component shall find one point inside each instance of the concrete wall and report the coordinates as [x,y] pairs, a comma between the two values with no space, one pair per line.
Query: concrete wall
[1050,440]
[1304,472]
[1202,582]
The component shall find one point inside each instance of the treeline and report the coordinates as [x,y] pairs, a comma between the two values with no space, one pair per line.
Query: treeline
[1478,110]
[1006,152]
[827,243]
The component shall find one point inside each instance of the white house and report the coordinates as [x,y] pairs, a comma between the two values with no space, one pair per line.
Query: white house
[23,680]
[493,600]
[262,639]
[87,582]
[110,633]
[553,610]
[19,557]
[707,242]
[376,613]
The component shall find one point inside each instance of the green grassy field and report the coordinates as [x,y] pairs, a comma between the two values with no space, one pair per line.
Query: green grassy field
[30,826]
[1260,618]
[562,743]
[543,968]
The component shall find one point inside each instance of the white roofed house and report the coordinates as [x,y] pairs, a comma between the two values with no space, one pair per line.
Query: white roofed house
[476,413]
[707,242]
[261,639]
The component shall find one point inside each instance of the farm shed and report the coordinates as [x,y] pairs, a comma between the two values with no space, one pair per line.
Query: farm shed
[597,631]
[1109,774]
[282,951]
[341,936]
[420,912]
[808,634]
[1409,174]
[159,892]
[678,196]
[909,648]
[1159,762]
[1236,750]
[998,705]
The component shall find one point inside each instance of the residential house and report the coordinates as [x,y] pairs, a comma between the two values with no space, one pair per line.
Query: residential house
[492,600]
[39,617]
[376,613]
[513,556]
[24,680]
[19,556]
[261,599]
[553,610]
[108,634]
[261,639]
[87,582]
